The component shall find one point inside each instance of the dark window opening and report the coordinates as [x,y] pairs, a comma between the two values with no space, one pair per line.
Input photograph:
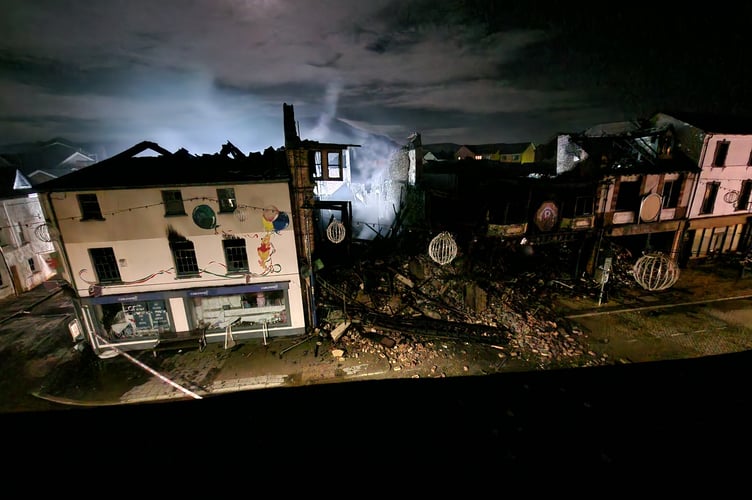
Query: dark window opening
[744,195]
[583,205]
[32,266]
[327,166]
[184,254]
[671,190]
[708,200]
[236,255]
[721,152]
[629,196]
[89,207]
[227,201]
[105,265]
[173,202]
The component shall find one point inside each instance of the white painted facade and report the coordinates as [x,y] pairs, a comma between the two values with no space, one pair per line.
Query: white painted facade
[157,304]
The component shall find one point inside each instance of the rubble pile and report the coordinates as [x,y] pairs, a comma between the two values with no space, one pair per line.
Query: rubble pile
[490,304]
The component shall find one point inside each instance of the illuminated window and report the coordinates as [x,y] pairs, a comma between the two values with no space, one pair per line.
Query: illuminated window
[744,195]
[173,202]
[334,165]
[236,256]
[184,255]
[721,152]
[227,201]
[708,200]
[105,265]
[89,207]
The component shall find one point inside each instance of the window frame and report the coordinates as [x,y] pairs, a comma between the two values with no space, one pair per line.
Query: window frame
[627,201]
[709,198]
[184,254]
[89,205]
[721,153]
[230,245]
[103,258]
[671,200]
[173,202]
[745,193]
[227,201]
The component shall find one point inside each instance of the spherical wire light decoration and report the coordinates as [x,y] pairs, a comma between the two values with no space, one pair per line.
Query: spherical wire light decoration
[336,232]
[241,214]
[443,248]
[655,271]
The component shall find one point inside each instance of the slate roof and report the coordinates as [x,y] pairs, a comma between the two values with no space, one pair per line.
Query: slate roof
[127,170]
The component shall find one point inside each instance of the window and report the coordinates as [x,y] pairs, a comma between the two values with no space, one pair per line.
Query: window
[105,265]
[708,201]
[334,165]
[89,207]
[173,202]
[20,233]
[721,152]
[583,205]
[628,197]
[327,165]
[227,202]
[235,254]
[744,194]
[749,160]
[184,254]
[32,266]
[671,191]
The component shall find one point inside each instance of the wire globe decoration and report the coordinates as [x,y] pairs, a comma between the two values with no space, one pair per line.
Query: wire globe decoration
[336,232]
[443,248]
[241,214]
[46,233]
[655,271]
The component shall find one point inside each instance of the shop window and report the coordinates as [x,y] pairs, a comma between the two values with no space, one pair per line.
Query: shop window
[250,311]
[744,194]
[721,152]
[227,201]
[129,320]
[173,202]
[105,265]
[708,200]
[184,254]
[236,256]
[89,205]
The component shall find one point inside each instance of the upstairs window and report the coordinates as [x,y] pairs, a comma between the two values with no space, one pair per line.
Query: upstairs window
[184,255]
[721,152]
[227,201]
[708,200]
[671,191]
[583,205]
[89,207]
[32,265]
[628,197]
[105,265]
[173,202]
[236,255]
[749,160]
[20,233]
[744,194]
[327,165]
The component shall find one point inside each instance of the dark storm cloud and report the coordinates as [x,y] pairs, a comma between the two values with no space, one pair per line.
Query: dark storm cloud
[197,73]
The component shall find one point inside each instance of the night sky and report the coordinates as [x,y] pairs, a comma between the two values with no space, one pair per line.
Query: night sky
[197,73]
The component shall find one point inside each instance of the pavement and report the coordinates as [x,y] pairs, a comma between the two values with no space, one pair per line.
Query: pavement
[312,360]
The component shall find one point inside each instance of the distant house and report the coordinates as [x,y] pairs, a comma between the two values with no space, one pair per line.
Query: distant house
[42,161]
[517,153]
[720,211]
[176,249]
[26,250]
